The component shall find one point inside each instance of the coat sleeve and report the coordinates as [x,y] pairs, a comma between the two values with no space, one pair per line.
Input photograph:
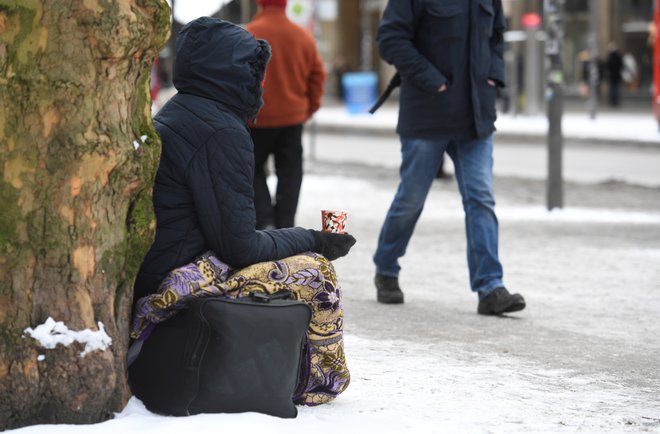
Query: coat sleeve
[316,80]
[220,176]
[496,72]
[395,35]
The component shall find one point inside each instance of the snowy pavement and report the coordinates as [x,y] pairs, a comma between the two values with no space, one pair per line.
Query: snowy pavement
[624,127]
[616,146]
[585,163]
[583,357]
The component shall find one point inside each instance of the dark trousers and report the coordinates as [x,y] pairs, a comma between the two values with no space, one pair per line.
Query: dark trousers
[615,93]
[285,143]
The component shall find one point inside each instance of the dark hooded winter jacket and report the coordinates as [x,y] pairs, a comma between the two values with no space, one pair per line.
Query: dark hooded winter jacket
[454,42]
[202,196]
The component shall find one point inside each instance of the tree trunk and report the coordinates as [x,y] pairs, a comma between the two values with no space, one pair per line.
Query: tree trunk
[78,154]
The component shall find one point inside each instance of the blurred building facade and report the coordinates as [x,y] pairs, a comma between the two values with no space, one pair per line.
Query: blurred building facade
[626,23]
[346,31]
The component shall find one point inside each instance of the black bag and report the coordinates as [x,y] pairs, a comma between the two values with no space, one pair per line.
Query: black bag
[224,356]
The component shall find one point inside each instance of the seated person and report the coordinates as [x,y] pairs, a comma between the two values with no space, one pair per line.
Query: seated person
[203,201]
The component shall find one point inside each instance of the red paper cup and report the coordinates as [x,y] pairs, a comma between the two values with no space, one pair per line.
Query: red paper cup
[333,221]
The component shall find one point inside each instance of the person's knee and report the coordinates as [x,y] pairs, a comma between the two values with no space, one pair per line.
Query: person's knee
[410,199]
[311,261]
[484,201]
[480,194]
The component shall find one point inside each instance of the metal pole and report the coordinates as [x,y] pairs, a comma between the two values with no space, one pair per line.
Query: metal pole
[316,31]
[366,42]
[656,61]
[532,72]
[246,10]
[511,62]
[593,60]
[554,94]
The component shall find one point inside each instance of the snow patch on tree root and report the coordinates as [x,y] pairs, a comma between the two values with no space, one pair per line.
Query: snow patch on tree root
[52,333]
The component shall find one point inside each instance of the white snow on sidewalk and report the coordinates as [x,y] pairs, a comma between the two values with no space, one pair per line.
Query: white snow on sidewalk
[397,387]
[485,377]
[631,127]
[353,192]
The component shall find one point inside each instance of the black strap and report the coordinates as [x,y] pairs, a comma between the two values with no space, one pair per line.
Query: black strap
[393,84]
[263,297]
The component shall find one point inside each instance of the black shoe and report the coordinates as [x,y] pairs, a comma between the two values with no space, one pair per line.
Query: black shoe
[388,290]
[500,301]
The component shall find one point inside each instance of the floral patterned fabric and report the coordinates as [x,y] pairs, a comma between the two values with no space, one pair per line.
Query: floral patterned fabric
[310,277]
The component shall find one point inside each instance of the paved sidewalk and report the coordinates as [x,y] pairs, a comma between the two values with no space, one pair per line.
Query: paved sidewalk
[583,357]
[633,127]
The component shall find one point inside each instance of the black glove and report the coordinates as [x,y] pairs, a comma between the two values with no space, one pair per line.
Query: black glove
[332,245]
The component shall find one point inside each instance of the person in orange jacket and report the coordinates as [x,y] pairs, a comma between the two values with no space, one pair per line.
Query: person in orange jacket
[293,88]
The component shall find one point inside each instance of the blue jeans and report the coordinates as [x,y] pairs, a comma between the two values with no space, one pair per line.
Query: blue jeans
[473,165]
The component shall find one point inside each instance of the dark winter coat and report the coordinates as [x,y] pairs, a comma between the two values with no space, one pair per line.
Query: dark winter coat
[454,42]
[614,67]
[202,196]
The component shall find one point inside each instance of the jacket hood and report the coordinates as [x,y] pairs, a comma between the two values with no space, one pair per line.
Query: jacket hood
[221,61]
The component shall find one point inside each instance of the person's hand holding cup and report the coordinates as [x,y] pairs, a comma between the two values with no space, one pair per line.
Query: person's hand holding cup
[333,242]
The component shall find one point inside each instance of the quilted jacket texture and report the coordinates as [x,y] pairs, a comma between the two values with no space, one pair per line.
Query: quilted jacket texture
[458,43]
[203,196]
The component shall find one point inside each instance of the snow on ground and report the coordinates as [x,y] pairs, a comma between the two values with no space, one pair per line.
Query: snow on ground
[398,388]
[365,200]
[581,358]
[622,126]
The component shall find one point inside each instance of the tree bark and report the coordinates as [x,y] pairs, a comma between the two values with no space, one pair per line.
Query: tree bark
[78,154]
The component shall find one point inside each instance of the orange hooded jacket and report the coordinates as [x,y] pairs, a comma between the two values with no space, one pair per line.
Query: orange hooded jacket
[295,75]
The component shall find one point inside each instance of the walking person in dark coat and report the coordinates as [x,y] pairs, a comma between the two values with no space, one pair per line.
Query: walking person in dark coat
[203,200]
[292,93]
[614,64]
[449,55]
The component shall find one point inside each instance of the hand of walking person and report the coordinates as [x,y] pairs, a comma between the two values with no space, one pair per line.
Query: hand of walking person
[331,245]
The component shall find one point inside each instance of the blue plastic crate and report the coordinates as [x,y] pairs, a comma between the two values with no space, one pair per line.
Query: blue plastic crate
[360,91]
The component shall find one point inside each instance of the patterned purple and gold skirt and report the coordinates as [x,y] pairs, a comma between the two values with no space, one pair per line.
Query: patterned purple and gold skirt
[309,276]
